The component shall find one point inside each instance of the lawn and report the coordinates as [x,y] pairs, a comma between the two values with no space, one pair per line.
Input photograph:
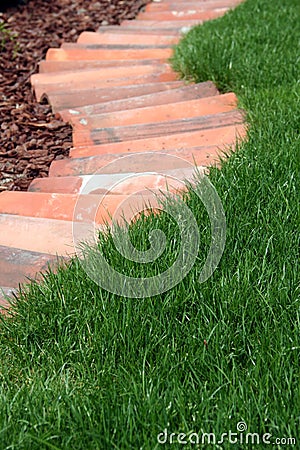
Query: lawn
[85,369]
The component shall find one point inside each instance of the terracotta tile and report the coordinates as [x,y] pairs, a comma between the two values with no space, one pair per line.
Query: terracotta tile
[108,178]
[57,185]
[217,136]
[94,74]
[107,83]
[17,265]
[135,183]
[89,37]
[104,183]
[189,92]
[77,54]
[71,186]
[75,66]
[160,25]
[137,162]
[35,204]
[144,131]
[52,206]
[138,45]
[190,5]
[182,109]
[128,29]
[40,235]
[179,16]
[177,6]
[60,207]
[79,166]
[199,3]
[76,98]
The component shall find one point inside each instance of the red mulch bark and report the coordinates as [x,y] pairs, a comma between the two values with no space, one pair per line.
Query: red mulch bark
[30,136]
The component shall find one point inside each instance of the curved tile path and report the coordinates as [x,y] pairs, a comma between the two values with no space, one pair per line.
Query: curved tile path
[120,95]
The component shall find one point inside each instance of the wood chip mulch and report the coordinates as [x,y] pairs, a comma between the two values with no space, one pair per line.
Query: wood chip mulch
[30,136]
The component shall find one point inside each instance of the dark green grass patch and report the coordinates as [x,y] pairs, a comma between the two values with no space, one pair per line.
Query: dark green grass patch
[85,369]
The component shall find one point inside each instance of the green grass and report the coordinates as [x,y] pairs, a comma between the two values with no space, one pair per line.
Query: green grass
[6,36]
[85,369]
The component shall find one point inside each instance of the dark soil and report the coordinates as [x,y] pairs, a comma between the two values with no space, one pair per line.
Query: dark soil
[30,136]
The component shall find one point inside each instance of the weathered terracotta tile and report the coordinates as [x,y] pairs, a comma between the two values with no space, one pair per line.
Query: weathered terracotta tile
[160,24]
[61,207]
[107,183]
[182,109]
[72,185]
[189,92]
[139,162]
[181,15]
[144,131]
[77,54]
[92,75]
[80,166]
[76,98]
[36,204]
[190,5]
[134,183]
[216,136]
[88,37]
[199,2]
[40,234]
[17,265]
[138,45]
[56,237]
[57,185]
[102,83]
[128,29]
[75,66]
